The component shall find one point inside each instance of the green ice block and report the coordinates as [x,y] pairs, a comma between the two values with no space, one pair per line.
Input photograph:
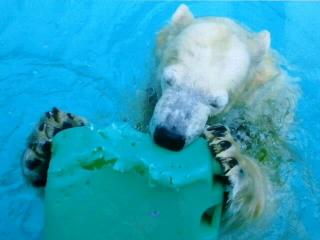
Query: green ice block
[116,184]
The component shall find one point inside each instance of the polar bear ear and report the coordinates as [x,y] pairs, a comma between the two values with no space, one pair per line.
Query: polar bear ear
[261,45]
[182,16]
[264,39]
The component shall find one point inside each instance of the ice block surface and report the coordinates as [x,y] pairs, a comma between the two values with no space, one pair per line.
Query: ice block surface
[116,184]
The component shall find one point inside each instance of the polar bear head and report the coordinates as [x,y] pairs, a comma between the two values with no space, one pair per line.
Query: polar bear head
[203,62]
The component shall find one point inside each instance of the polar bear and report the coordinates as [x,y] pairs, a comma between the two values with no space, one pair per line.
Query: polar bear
[213,69]
[204,63]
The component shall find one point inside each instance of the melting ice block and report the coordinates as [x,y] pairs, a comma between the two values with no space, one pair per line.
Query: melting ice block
[116,184]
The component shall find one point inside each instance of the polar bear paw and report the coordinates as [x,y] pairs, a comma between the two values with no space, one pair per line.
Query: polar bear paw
[245,183]
[224,150]
[36,158]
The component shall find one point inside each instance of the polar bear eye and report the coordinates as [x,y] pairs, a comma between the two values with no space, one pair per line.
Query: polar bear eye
[214,105]
[169,81]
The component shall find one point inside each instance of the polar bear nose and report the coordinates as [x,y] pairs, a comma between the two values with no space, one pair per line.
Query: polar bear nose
[168,139]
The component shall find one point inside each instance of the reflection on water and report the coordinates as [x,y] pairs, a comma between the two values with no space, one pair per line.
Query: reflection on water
[95,59]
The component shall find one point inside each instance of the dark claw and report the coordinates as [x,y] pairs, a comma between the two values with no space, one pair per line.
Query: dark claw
[218,130]
[41,127]
[41,182]
[213,151]
[46,148]
[32,145]
[218,127]
[55,131]
[219,159]
[55,110]
[66,125]
[48,114]
[224,145]
[232,162]
[55,113]
[220,147]
[224,180]
[33,164]
[70,116]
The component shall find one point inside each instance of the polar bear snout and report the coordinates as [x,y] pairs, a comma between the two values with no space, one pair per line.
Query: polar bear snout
[169,139]
[178,119]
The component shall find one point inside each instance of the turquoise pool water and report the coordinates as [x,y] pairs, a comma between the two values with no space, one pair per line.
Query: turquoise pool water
[95,58]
